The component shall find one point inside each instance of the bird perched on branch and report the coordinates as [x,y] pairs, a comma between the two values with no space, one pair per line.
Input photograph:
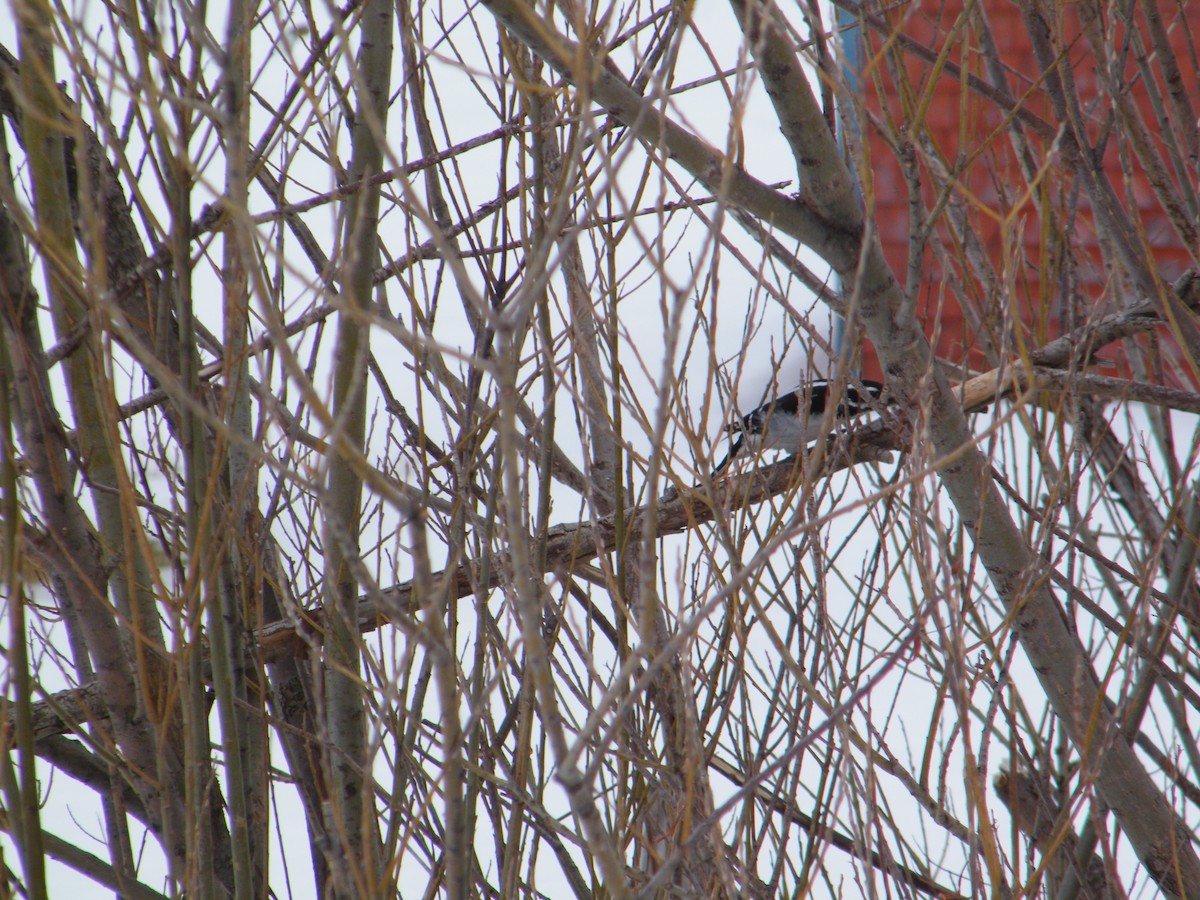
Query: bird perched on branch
[794,420]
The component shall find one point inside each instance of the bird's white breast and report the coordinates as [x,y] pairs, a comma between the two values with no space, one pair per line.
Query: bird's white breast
[790,433]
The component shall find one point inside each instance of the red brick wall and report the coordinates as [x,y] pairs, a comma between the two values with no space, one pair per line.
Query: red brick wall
[1037,261]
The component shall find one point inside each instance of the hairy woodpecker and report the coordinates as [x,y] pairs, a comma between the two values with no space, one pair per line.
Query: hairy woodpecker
[794,420]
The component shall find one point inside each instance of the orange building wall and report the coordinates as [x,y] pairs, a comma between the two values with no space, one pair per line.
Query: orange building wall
[1026,298]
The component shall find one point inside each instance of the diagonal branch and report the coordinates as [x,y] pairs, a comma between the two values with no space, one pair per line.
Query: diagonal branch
[709,166]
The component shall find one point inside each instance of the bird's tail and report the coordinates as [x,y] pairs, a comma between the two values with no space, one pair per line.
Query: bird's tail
[734,449]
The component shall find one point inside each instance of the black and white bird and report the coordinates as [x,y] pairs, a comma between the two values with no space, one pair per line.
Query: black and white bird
[794,420]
